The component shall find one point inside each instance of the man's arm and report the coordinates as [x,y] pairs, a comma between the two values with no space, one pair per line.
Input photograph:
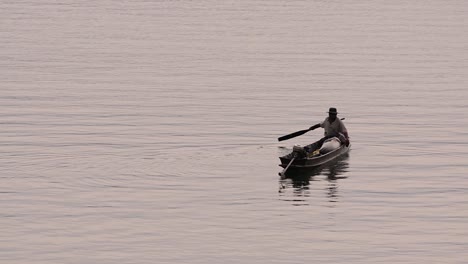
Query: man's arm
[344,131]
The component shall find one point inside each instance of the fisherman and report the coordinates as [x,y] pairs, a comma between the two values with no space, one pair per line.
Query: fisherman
[333,127]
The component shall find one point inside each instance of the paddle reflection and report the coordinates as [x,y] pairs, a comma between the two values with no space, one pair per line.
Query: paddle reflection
[298,182]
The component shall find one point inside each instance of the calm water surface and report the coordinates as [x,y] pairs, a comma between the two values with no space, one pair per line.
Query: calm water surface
[145,131]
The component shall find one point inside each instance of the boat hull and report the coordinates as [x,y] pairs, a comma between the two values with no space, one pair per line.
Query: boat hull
[310,162]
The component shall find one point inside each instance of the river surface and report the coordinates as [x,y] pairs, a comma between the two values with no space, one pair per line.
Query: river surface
[146,131]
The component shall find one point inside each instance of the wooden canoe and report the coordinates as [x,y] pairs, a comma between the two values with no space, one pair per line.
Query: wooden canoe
[306,159]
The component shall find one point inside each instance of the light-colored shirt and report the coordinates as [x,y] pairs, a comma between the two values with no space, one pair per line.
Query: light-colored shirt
[333,128]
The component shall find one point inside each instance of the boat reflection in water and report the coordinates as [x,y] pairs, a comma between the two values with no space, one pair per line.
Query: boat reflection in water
[299,180]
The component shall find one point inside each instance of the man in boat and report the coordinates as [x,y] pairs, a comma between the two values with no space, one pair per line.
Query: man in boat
[333,127]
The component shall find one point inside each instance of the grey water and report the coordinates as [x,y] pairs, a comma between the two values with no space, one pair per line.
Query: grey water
[146,131]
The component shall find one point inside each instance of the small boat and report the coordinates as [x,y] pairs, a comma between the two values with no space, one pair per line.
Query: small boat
[310,156]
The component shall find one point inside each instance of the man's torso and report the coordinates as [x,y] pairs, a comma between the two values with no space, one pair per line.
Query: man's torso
[333,128]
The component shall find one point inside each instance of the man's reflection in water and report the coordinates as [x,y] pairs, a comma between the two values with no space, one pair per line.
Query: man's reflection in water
[300,180]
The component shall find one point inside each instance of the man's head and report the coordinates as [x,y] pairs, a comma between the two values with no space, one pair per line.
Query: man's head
[332,113]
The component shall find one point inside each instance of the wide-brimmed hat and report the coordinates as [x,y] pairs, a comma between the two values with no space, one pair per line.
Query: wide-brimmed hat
[332,110]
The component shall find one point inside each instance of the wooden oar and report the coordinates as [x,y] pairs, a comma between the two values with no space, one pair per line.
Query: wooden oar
[298,133]
[295,134]
[284,171]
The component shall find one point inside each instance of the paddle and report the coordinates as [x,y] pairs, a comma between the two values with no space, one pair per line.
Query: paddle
[298,133]
[295,134]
